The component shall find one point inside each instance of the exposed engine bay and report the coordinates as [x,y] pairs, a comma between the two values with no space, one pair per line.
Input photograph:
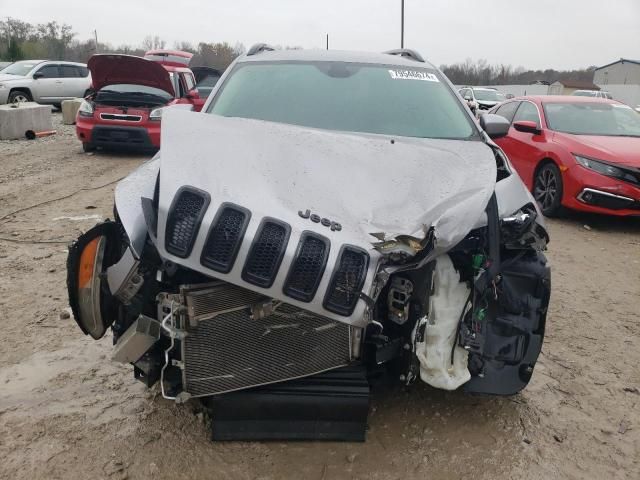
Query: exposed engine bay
[219,280]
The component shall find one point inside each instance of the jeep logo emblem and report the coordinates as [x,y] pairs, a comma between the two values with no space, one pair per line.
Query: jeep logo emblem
[335,226]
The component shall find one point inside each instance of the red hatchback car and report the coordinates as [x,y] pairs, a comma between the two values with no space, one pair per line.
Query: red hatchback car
[576,152]
[129,94]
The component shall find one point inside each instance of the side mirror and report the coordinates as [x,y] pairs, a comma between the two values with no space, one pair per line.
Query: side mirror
[527,126]
[38,75]
[494,125]
[468,98]
[192,94]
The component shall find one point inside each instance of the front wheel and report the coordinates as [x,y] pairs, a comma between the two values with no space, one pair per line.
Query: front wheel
[19,97]
[547,189]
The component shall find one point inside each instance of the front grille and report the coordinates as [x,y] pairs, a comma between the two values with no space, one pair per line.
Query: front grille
[307,267]
[346,283]
[118,116]
[183,221]
[115,135]
[225,238]
[266,253]
[232,351]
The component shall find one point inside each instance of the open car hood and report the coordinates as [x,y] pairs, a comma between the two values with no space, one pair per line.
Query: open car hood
[375,186]
[113,69]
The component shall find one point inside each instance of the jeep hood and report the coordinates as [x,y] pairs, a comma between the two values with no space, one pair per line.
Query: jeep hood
[113,69]
[376,186]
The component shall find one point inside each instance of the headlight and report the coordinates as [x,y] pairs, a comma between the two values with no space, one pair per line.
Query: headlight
[85,109]
[606,169]
[156,114]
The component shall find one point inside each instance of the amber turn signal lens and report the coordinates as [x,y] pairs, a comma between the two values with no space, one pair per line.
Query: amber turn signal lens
[87,263]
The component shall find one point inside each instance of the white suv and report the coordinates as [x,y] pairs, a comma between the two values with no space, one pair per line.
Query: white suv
[42,81]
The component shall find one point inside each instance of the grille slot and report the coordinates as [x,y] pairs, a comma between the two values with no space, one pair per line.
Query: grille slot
[266,253]
[118,116]
[347,281]
[225,237]
[183,222]
[232,351]
[307,267]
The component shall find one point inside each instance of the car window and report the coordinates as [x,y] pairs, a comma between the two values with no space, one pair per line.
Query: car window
[49,71]
[508,110]
[383,99]
[191,83]
[527,112]
[486,95]
[607,119]
[19,68]
[69,71]
[84,71]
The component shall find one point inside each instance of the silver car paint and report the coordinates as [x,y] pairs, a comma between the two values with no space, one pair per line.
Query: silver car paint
[364,182]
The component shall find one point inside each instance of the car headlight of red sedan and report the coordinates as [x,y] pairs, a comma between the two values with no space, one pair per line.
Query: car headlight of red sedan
[609,170]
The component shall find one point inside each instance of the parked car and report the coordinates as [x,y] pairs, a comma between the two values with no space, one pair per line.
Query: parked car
[592,93]
[577,152]
[467,95]
[484,98]
[130,94]
[337,212]
[43,81]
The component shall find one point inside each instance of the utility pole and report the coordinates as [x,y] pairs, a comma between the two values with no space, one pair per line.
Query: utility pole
[401,23]
[95,32]
[327,41]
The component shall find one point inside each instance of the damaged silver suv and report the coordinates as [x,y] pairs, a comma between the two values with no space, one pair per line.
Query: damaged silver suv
[329,218]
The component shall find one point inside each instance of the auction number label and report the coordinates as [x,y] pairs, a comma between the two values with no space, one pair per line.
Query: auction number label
[413,75]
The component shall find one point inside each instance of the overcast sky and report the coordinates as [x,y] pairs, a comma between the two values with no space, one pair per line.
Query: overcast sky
[559,34]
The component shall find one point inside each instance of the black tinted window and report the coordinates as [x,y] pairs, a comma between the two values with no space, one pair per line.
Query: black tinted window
[69,71]
[49,71]
[508,110]
[527,112]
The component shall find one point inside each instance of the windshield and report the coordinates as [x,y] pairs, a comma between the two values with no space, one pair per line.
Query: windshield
[345,97]
[19,68]
[609,119]
[486,95]
[584,93]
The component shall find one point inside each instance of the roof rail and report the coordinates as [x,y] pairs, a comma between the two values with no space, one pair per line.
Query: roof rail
[406,52]
[259,48]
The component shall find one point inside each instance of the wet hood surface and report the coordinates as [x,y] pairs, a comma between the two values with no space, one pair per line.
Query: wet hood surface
[115,69]
[367,183]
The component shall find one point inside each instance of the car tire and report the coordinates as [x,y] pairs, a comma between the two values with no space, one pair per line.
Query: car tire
[88,147]
[547,190]
[18,96]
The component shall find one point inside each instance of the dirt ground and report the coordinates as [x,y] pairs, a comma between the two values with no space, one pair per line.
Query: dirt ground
[67,411]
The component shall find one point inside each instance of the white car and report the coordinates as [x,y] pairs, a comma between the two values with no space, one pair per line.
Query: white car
[43,81]
[592,93]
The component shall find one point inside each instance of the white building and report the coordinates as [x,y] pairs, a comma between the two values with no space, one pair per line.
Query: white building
[621,72]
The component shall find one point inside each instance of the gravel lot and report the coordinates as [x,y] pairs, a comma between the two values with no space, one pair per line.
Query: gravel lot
[67,412]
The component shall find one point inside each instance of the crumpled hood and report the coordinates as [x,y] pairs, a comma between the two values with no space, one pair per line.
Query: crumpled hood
[113,69]
[367,183]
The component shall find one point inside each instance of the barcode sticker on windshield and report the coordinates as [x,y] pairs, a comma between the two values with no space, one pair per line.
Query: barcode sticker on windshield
[413,75]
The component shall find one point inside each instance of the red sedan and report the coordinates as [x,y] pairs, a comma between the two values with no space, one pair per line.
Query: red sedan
[576,152]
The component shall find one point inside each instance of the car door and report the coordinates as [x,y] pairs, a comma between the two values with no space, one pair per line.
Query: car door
[527,148]
[73,83]
[47,85]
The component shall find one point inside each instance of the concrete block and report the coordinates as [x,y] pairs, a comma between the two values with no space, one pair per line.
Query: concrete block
[14,122]
[69,110]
